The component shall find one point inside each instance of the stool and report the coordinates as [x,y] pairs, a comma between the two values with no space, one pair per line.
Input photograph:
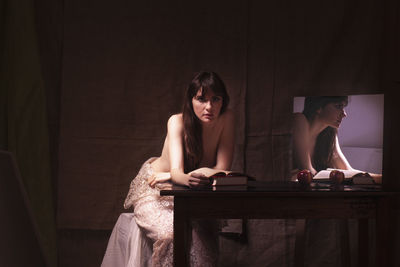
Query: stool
[128,246]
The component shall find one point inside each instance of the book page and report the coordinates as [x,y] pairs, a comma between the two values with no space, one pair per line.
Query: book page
[209,171]
[347,173]
[324,174]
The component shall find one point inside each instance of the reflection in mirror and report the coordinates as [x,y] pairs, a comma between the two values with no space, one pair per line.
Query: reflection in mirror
[342,132]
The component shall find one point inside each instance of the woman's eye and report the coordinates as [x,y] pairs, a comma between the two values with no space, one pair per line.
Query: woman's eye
[216,99]
[339,106]
[201,99]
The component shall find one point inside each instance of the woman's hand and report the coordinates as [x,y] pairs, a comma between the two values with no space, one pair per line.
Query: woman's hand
[158,177]
[376,177]
[198,180]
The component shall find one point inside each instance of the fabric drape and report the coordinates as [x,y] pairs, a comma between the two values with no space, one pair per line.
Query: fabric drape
[23,129]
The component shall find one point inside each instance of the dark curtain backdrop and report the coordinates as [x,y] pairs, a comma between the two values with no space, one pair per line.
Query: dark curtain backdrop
[299,48]
[124,74]
[126,64]
[23,116]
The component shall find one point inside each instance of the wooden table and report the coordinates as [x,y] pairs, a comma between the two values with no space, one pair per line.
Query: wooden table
[284,200]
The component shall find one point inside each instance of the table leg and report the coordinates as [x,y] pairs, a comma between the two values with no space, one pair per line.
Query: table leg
[384,228]
[181,246]
[300,243]
[344,243]
[363,242]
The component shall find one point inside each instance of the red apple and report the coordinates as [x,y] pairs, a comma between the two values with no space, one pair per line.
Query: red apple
[336,177]
[304,177]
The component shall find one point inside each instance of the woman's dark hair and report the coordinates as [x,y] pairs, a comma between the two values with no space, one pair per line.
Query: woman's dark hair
[192,131]
[325,143]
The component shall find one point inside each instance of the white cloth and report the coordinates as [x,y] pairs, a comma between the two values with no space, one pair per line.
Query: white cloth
[128,245]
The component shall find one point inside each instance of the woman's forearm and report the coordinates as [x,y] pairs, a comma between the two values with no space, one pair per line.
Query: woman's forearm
[179,177]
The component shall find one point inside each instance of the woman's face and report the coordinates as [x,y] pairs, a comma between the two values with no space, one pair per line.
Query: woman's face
[207,107]
[333,114]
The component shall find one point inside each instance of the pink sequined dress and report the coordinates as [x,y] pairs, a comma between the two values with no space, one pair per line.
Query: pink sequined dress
[154,215]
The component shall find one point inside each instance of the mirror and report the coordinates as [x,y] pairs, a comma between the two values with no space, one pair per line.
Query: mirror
[359,131]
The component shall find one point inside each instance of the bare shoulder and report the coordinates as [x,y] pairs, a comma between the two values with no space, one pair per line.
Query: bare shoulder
[175,119]
[175,122]
[300,125]
[299,119]
[299,116]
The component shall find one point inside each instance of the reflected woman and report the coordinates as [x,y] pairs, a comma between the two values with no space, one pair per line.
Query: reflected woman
[316,145]
[201,136]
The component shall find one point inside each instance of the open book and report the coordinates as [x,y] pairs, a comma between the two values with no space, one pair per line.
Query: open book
[220,177]
[352,176]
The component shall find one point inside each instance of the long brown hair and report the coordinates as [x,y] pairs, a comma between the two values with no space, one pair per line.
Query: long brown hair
[325,143]
[192,130]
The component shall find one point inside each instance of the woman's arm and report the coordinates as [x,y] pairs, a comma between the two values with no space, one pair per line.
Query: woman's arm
[301,142]
[176,157]
[339,160]
[225,148]
[175,149]
[226,143]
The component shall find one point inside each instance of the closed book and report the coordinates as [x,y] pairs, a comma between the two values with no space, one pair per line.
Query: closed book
[228,179]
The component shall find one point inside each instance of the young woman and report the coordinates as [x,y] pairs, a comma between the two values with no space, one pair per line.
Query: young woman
[316,145]
[201,136]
